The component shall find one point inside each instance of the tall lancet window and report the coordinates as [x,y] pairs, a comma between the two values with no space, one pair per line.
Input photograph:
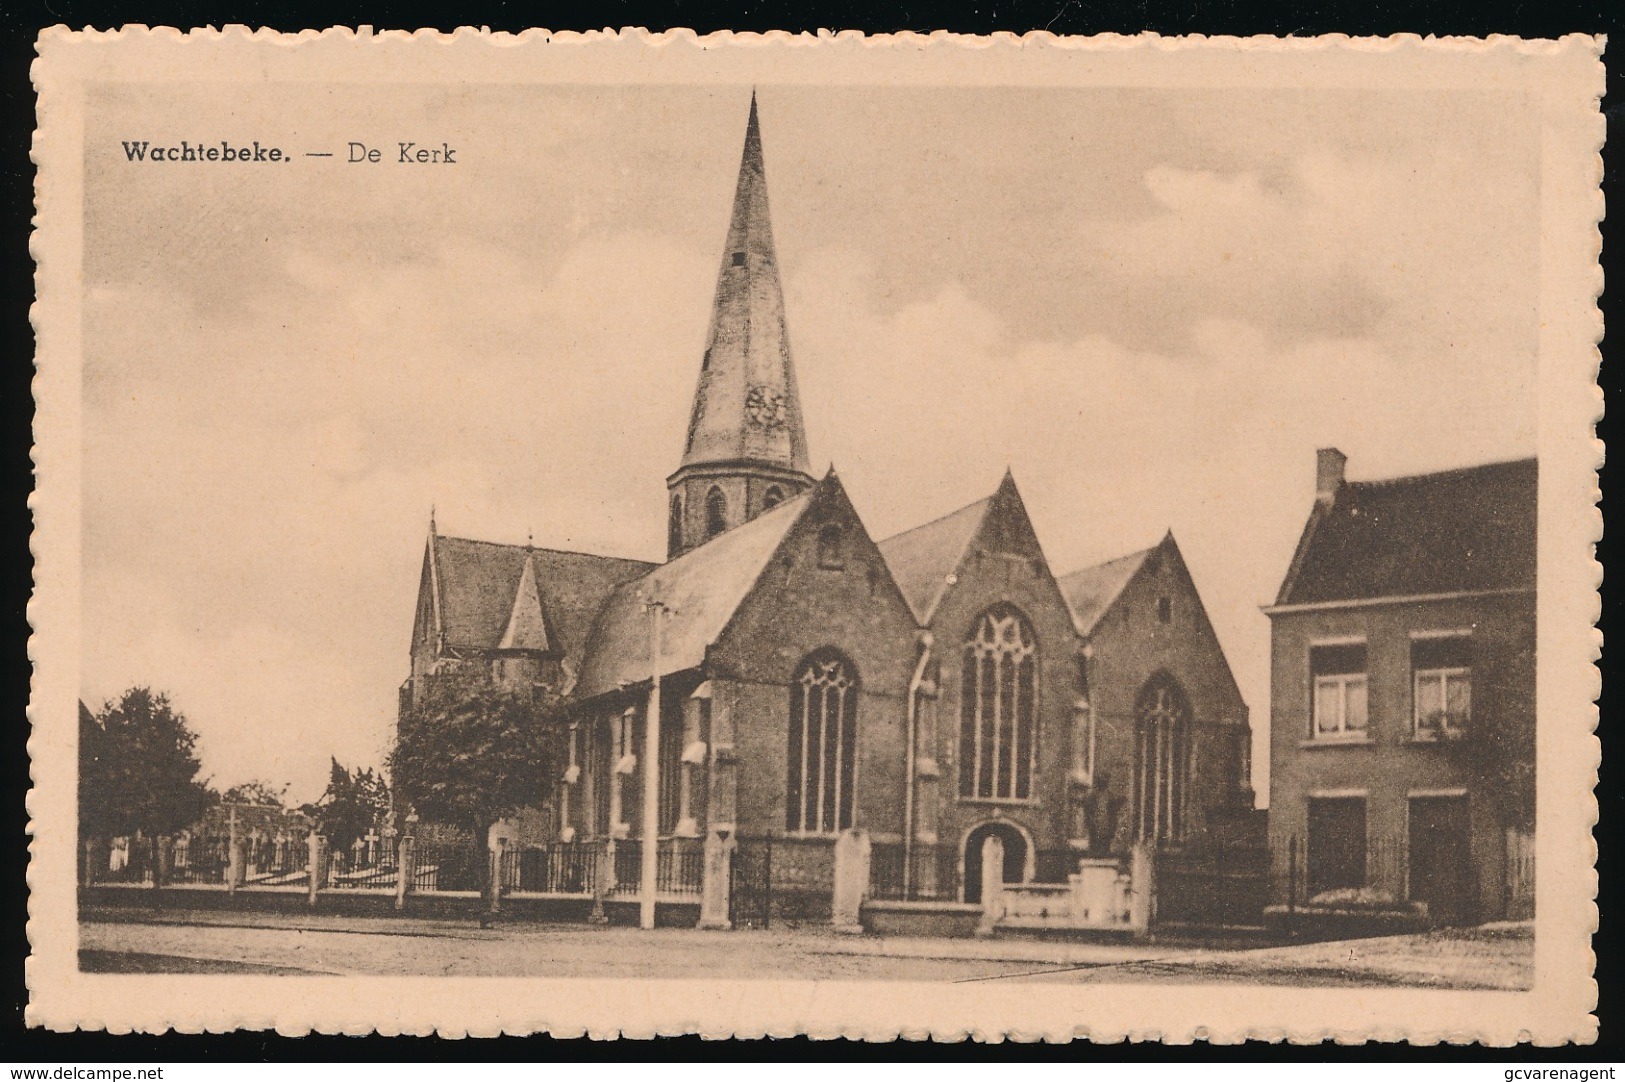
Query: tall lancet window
[998,746]
[716,512]
[823,745]
[1162,761]
[674,525]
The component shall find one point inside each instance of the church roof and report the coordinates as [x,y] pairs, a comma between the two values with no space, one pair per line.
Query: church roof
[1458,530]
[921,559]
[702,589]
[482,606]
[1090,591]
[746,406]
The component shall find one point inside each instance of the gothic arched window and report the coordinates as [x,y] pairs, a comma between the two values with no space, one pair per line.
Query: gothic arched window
[823,745]
[674,525]
[1162,743]
[772,497]
[998,749]
[716,512]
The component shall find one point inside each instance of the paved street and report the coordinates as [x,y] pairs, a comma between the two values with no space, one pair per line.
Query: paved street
[120,940]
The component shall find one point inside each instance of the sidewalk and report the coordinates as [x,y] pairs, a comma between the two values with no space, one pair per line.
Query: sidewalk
[1487,958]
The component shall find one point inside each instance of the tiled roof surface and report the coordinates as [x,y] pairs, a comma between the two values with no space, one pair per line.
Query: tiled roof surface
[1090,591]
[480,579]
[921,559]
[703,587]
[1459,530]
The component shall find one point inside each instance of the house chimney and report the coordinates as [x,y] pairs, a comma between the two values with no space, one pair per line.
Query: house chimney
[1329,463]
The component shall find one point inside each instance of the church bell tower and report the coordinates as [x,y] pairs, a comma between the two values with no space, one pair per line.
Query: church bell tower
[746,449]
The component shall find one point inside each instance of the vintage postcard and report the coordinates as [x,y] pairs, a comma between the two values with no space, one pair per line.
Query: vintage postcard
[999,538]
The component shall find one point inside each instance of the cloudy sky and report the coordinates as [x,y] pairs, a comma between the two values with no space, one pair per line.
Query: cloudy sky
[1152,304]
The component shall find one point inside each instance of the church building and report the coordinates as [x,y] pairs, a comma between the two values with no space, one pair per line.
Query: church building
[929,689]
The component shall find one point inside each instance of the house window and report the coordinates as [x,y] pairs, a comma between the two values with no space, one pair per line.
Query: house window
[716,512]
[998,749]
[1339,676]
[772,497]
[1442,686]
[1165,610]
[823,745]
[674,525]
[1336,843]
[829,548]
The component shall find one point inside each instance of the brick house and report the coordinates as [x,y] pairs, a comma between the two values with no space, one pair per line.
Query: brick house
[928,690]
[1403,692]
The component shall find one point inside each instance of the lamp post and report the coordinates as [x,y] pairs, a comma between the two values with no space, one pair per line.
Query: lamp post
[651,775]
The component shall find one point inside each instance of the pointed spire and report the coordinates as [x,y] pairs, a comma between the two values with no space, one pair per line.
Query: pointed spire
[747,407]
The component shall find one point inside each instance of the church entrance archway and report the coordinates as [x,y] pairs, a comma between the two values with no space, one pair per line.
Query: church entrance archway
[1017,856]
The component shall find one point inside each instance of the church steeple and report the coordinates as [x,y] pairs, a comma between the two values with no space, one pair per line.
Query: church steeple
[746,448]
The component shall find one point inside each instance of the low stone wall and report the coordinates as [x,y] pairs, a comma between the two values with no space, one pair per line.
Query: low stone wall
[446,905]
[950,919]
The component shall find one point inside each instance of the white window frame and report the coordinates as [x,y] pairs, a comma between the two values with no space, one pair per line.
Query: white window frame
[1448,726]
[1342,681]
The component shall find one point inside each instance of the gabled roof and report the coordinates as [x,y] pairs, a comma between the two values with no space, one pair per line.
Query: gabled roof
[702,589]
[1456,531]
[746,406]
[1090,591]
[479,584]
[921,559]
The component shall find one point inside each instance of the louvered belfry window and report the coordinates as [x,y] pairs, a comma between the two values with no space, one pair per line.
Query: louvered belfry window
[823,745]
[998,741]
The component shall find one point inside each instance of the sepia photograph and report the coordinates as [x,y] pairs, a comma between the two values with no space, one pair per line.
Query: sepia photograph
[955,534]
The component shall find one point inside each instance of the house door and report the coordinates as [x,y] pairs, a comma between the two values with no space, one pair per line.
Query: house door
[1441,863]
[1336,844]
[1015,857]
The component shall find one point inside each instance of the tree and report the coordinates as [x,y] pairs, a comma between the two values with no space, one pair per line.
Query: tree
[259,794]
[353,804]
[138,757]
[473,754]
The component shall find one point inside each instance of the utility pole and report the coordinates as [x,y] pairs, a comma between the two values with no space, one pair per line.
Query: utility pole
[651,776]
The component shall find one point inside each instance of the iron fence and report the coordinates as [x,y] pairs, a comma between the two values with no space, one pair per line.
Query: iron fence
[679,869]
[362,869]
[129,863]
[564,868]
[199,859]
[439,866]
[277,861]
[628,864]
[933,873]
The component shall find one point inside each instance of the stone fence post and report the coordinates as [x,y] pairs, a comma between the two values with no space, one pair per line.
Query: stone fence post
[318,864]
[1143,880]
[234,861]
[405,866]
[716,884]
[992,884]
[852,852]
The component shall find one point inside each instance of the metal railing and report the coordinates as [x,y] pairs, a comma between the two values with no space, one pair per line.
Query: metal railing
[679,869]
[199,859]
[438,866]
[563,868]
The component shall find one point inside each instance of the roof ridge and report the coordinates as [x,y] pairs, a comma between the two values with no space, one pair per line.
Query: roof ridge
[1114,560]
[1454,471]
[940,518]
[543,548]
